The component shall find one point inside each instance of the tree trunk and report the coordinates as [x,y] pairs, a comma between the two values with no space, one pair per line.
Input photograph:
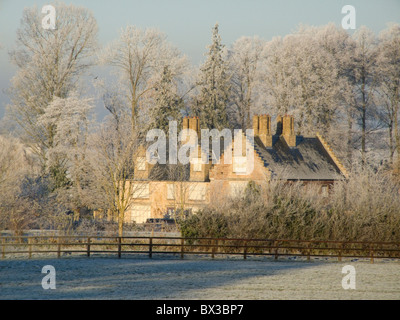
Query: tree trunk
[120,223]
[397,137]
[391,143]
[350,138]
[363,124]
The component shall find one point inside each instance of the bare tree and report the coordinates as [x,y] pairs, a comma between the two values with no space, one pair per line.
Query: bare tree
[389,89]
[244,59]
[111,157]
[301,77]
[363,79]
[50,63]
[139,56]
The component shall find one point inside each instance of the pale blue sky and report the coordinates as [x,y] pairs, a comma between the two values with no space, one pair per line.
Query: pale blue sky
[188,23]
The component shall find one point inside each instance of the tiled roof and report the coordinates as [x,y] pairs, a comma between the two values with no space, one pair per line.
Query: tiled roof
[307,161]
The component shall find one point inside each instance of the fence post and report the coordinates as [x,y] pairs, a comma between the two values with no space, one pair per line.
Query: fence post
[3,248]
[276,249]
[245,250]
[309,251]
[29,248]
[182,247]
[88,246]
[150,247]
[119,247]
[372,253]
[58,247]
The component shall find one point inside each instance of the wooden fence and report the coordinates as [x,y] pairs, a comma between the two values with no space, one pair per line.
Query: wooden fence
[89,245]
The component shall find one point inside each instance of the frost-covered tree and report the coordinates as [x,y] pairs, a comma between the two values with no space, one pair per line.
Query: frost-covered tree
[15,161]
[70,119]
[214,87]
[167,104]
[276,75]
[139,56]
[24,195]
[338,44]
[363,80]
[388,62]
[244,60]
[50,63]
[111,158]
[301,77]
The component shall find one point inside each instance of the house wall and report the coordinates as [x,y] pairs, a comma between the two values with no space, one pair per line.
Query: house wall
[211,183]
[224,182]
[187,196]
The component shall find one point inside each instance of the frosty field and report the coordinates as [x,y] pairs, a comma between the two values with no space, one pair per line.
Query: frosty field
[197,278]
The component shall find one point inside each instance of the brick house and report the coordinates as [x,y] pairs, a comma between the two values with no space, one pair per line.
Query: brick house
[180,189]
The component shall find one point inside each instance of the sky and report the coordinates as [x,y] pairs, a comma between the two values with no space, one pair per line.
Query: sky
[188,23]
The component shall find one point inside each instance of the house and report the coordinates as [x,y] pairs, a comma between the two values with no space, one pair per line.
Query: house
[178,189]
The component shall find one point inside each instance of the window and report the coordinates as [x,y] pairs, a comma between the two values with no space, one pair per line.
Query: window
[239,165]
[141,190]
[141,163]
[198,192]
[170,191]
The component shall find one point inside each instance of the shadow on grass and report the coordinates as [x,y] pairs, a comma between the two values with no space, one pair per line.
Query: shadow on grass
[133,277]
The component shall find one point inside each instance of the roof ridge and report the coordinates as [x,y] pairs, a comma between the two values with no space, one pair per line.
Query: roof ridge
[335,159]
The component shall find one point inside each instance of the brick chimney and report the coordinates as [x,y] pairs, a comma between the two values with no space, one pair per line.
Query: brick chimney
[199,171]
[142,167]
[192,123]
[185,123]
[256,124]
[262,129]
[286,124]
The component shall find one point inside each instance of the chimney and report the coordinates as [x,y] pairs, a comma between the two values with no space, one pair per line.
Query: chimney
[199,171]
[264,132]
[185,123]
[192,123]
[142,167]
[256,124]
[287,132]
[279,122]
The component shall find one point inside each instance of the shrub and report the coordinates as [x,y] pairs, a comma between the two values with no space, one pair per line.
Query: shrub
[366,207]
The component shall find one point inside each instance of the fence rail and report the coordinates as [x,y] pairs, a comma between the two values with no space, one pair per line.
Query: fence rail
[89,245]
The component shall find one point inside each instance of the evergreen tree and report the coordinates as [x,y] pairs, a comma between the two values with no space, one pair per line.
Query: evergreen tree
[211,103]
[167,103]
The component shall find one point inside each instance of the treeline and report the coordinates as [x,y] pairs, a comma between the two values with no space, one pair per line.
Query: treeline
[56,159]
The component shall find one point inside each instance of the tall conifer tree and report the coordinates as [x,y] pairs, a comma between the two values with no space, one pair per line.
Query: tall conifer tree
[211,103]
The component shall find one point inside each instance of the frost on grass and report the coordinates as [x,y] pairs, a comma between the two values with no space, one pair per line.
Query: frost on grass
[142,278]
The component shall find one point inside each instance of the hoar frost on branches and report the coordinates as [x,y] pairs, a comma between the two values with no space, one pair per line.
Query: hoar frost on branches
[50,63]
